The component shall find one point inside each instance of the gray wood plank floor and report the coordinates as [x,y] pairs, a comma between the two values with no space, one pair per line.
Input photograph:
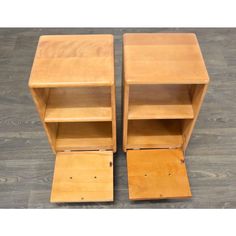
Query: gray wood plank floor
[27,162]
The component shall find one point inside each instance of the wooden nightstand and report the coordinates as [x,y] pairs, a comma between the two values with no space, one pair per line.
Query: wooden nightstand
[165,81]
[73,87]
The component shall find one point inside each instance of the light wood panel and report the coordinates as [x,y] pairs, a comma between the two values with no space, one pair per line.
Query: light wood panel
[163,58]
[157,174]
[83,177]
[198,94]
[154,134]
[40,97]
[113,102]
[160,102]
[76,60]
[125,114]
[79,104]
[84,136]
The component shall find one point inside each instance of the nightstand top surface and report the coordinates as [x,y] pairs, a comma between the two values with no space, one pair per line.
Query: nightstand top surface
[163,58]
[73,60]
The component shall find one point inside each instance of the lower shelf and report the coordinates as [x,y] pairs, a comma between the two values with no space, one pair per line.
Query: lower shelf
[84,136]
[154,134]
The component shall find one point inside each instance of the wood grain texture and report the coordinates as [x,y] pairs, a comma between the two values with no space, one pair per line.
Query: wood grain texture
[76,60]
[160,102]
[79,104]
[27,161]
[157,174]
[83,177]
[168,58]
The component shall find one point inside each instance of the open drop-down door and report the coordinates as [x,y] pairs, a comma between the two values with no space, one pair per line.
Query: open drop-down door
[157,174]
[84,176]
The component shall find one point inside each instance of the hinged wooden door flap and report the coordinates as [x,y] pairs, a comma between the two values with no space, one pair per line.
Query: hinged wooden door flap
[84,176]
[157,174]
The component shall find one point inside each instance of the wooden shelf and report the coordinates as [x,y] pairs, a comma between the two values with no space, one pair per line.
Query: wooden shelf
[160,102]
[84,136]
[79,104]
[154,134]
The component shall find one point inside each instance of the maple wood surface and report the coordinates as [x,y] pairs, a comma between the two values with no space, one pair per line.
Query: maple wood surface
[156,174]
[73,60]
[83,177]
[163,58]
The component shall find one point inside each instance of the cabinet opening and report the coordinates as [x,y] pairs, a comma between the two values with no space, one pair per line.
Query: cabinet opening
[81,135]
[75,104]
[161,102]
[161,133]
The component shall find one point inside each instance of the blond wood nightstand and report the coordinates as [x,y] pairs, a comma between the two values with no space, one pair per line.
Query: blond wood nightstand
[165,81]
[73,87]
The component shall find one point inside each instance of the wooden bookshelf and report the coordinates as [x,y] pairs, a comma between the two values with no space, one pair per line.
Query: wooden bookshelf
[72,84]
[164,83]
